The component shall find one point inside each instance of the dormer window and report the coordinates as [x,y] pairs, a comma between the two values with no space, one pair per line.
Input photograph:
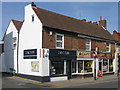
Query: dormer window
[32,18]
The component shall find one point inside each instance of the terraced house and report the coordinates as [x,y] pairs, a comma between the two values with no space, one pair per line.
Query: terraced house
[54,47]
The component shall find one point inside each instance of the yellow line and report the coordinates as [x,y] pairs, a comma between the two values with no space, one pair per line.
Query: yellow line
[32,81]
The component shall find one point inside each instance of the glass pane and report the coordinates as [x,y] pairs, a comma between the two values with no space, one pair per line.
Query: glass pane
[57,67]
[73,66]
[107,44]
[87,41]
[111,65]
[59,44]
[88,66]
[87,47]
[59,37]
[105,65]
[80,66]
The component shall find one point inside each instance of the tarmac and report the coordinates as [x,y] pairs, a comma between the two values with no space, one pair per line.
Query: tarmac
[78,81]
[72,82]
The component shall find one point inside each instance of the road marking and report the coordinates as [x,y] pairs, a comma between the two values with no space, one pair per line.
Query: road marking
[32,81]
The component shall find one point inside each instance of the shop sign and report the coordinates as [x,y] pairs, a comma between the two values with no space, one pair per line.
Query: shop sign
[35,66]
[60,54]
[83,54]
[105,55]
[30,54]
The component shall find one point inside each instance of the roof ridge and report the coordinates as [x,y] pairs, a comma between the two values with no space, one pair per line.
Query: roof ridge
[58,14]
[16,20]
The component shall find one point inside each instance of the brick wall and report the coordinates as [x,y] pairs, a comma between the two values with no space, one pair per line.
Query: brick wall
[100,45]
[71,42]
[112,47]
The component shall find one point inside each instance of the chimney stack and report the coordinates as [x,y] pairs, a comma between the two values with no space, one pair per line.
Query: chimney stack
[102,23]
[32,4]
[83,20]
[95,23]
[89,22]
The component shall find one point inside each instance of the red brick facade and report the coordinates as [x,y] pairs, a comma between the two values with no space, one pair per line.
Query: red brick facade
[72,42]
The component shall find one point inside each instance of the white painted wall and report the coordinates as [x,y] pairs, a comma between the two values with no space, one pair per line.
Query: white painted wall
[10,53]
[31,38]
[2,63]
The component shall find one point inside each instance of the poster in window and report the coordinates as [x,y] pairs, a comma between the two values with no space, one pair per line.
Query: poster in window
[35,66]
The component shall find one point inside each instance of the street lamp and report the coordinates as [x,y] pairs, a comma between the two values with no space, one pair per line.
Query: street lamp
[118,64]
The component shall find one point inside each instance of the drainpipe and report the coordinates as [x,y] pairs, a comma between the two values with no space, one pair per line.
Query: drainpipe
[17,53]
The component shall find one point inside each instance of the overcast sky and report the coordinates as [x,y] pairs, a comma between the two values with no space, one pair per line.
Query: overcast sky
[80,10]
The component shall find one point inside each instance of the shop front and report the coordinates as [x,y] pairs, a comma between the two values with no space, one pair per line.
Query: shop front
[60,64]
[86,64]
[106,62]
[83,66]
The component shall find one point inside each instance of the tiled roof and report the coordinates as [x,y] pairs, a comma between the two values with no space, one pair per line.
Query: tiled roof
[58,21]
[17,24]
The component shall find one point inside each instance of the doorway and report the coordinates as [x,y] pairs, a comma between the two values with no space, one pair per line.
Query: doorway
[69,70]
[100,66]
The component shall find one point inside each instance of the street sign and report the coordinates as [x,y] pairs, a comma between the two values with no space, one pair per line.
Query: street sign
[94,54]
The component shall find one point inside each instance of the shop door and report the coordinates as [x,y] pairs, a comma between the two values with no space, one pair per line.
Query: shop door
[100,66]
[69,70]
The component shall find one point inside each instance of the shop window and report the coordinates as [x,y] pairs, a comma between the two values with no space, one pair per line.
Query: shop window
[60,41]
[88,44]
[105,65]
[73,66]
[107,47]
[80,67]
[88,66]
[57,67]
[111,65]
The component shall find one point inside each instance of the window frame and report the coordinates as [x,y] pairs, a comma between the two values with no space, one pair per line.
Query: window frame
[88,44]
[59,41]
[108,47]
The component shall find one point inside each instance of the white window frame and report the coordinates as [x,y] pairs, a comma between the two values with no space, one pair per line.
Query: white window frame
[109,47]
[59,41]
[89,45]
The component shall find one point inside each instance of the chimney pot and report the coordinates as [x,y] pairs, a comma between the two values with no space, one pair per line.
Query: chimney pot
[100,17]
[32,4]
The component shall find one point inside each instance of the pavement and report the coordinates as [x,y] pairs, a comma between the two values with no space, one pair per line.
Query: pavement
[79,82]
[63,84]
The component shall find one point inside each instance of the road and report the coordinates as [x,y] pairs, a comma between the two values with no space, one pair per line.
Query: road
[108,84]
[16,82]
[13,82]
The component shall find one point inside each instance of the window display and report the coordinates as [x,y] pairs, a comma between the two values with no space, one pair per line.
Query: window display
[88,66]
[111,65]
[73,66]
[57,67]
[80,66]
[105,65]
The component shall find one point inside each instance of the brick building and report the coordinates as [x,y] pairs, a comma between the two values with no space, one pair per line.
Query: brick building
[55,47]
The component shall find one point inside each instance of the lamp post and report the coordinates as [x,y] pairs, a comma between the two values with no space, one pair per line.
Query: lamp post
[118,64]
[95,55]
[94,68]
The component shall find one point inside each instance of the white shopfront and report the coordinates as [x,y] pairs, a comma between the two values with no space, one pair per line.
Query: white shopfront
[84,65]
